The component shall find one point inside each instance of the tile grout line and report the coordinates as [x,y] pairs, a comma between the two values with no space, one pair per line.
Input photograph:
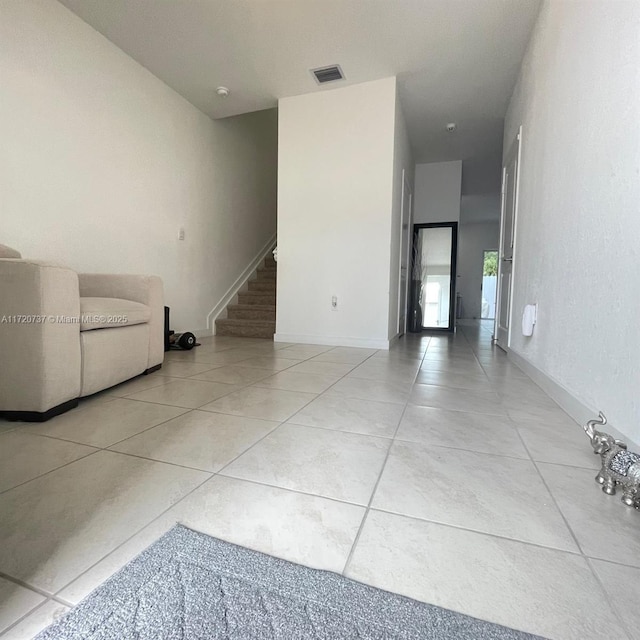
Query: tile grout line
[319,395]
[211,476]
[548,489]
[289,489]
[55,593]
[14,624]
[271,373]
[611,601]
[356,540]
[480,532]
[423,519]
[393,438]
[26,585]
[52,470]
[368,508]
[524,377]
[184,413]
[98,448]
[575,538]
[106,555]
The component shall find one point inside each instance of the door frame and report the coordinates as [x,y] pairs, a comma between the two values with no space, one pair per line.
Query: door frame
[518,152]
[454,260]
[405,183]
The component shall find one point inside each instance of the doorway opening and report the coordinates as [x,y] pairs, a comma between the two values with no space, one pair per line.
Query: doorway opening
[433,276]
[489,282]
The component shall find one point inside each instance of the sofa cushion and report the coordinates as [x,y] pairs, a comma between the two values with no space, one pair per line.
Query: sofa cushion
[8,252]
[110,357]
[105,313]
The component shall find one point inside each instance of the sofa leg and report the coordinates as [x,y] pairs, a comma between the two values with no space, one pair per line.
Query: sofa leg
[146,372]
[39,416]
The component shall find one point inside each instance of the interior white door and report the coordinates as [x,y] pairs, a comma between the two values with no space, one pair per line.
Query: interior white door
[507,243]
[405,230]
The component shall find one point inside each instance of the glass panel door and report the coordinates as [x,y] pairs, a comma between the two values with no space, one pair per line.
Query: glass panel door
[434,267]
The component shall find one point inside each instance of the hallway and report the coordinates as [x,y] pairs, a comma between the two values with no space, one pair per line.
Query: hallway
[437,470]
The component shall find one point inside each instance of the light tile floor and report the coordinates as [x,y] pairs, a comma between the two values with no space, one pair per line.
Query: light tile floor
[437,470]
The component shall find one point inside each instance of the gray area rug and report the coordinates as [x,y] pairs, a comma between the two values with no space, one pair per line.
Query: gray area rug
[188,585]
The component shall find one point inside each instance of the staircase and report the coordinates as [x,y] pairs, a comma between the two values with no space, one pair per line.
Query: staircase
[254,315]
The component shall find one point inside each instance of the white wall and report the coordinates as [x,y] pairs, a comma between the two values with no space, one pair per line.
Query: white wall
[473,240]
[102,163]
[437,192]
[578,99]
[402,163]
[335,184]
[483,207]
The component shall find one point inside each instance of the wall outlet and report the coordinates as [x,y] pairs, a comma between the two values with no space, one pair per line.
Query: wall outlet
[181,234]
[334,302]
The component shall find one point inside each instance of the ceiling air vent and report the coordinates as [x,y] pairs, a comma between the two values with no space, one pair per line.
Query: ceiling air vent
[328,74]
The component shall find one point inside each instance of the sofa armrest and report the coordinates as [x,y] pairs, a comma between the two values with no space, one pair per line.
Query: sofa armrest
[40,360]
[144,289]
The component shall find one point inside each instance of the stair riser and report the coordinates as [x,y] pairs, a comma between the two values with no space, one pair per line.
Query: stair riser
[262,285]
[257,298]
[251,314]
[245,332]
[247,328]
[267,275]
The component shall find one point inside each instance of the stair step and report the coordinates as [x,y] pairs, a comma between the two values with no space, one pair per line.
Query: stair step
[270,262]
[262,285]
[251,312]
[257,297]
[246,328]
[267,274]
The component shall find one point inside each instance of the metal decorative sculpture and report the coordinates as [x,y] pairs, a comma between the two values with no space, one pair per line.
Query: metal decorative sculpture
[619,466]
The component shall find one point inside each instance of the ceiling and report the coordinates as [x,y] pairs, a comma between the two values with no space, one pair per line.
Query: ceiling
[456,60]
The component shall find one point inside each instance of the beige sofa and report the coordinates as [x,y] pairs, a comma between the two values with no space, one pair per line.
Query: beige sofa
[65,335]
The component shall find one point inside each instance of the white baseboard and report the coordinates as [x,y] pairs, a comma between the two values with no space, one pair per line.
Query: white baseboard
[576,409]
[232,291]
[331,341]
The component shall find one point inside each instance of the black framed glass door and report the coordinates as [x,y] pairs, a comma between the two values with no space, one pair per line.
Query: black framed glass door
[433,274]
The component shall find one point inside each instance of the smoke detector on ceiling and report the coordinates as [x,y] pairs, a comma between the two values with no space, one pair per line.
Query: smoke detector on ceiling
[223,92]
[451,127]
[328,74]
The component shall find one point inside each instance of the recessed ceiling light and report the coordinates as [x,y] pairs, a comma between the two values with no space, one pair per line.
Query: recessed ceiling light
[223,92]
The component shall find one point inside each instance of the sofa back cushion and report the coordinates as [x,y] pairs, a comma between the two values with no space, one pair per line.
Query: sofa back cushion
[8,252]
